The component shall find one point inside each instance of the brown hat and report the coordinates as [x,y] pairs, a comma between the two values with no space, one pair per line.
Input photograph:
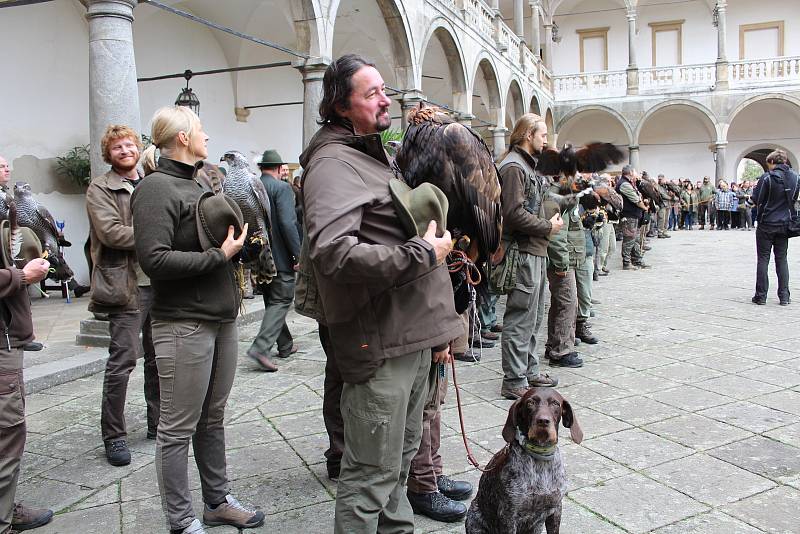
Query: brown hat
[214,214]
[30,248]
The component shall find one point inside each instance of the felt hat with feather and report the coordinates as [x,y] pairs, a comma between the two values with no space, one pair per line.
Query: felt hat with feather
[419,206]
[16,253]
[214,214]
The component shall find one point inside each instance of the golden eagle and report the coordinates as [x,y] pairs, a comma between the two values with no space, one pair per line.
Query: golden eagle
[438,150]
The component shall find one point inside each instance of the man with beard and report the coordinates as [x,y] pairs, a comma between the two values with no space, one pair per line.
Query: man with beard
[120,289]
[386,299]
[633,207]
[705,204]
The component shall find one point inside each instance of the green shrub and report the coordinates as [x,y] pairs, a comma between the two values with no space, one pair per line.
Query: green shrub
[76,165]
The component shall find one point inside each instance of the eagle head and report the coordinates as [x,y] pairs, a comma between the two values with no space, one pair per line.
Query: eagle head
[235,160]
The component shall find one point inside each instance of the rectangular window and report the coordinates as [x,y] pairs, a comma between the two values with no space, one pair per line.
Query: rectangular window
[594,49]
[761,40]
[667,43]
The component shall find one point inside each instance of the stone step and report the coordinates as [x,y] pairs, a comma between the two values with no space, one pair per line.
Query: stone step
[94,333]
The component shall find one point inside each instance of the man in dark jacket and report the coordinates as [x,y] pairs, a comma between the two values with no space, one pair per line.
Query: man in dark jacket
[387,299]
[633,207]
[775,195]
[285,242]
[524,223]
[120,289]
[17,326]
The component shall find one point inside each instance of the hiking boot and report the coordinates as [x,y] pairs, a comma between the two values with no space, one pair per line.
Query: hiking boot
[488,334]
[25,518]
[196,527]
[512,393]
[437,506]
[479,343]
[629,267]
[117,452]
[647,247]
[334,470]
[458,490]
[570,360]
[231,512]
[583,333]
[642,265]
[785,302]
[497,328]
[263,361]
[542,380]
[286,353]
[759,301]
[469,356]
[33,346]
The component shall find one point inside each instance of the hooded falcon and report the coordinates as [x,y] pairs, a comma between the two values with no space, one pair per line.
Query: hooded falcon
[438,150]
[33,215]
[244,188]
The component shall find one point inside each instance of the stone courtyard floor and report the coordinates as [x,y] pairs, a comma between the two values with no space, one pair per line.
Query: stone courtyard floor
[690,407]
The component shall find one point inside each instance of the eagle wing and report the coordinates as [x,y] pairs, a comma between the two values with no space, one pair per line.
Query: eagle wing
[548,162]
[649,191]
[262,197]
[610,196]
[595,156]
[476,181]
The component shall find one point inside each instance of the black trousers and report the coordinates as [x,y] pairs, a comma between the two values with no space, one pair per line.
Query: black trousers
[772,238]
[331,402]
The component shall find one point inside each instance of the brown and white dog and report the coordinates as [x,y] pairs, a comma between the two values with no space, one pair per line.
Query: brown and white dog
[523,485]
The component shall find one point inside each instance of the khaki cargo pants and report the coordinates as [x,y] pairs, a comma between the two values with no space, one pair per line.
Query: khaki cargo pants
[383,424]
[12,431]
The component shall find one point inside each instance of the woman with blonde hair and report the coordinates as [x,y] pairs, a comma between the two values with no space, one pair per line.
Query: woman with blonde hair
[196,300]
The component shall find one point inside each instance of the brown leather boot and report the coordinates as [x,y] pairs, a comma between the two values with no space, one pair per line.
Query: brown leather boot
[25,518]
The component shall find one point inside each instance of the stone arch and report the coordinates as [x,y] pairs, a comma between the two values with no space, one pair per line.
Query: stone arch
[759,152]
[602,109]
[442,30]
[534,106]
[401,44]
[712,119]
[515,106]
[552,134]
[484,69]
[752,100]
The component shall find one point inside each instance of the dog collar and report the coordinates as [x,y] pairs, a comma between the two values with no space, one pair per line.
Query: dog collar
[539,452]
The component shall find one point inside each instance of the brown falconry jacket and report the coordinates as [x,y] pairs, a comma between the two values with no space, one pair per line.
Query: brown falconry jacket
[382,294]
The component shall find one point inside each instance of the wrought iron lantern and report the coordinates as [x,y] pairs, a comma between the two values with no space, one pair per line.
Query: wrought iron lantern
[187,98]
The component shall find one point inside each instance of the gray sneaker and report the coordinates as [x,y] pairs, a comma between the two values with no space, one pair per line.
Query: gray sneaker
[231,512]
[196,527]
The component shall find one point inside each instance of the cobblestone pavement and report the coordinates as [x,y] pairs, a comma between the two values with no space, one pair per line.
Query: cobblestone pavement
[690,406]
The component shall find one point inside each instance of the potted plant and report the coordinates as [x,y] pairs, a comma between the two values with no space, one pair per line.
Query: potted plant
[75,164]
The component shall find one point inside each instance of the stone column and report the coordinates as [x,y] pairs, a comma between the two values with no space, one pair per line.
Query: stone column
[409,101]
[466,119]
[633,69]
[548,46]
[499,141]
[722,54]
[113,93]
[536,37]
[719,151]
[495,5]
[312,70]
[519,18]
[633,156]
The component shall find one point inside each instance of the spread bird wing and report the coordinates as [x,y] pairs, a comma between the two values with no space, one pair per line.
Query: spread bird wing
[548,162]
[596,157]
[476,182]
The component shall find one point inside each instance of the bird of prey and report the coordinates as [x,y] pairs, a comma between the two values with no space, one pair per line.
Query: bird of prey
[33,215]
[438,150]
[245,188]
[602,187]
[649,190]
[4,206]
[569,161]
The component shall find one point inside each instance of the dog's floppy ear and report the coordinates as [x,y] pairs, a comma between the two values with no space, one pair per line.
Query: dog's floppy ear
[570,421]
[510,430]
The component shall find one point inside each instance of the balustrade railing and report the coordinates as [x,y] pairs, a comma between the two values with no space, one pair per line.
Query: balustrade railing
[753,71]
[529,63]
[680,77]
[590,85]
[479,16]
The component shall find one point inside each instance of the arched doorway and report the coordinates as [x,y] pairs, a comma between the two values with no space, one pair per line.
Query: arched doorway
[486,105]
[515,107]
[443,78]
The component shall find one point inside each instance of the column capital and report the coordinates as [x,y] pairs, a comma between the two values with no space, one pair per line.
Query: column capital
[111,8]
[535,4]
[721,145]
[498,130]
[630,13]
[409,99]
[312,68]
[633,147]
